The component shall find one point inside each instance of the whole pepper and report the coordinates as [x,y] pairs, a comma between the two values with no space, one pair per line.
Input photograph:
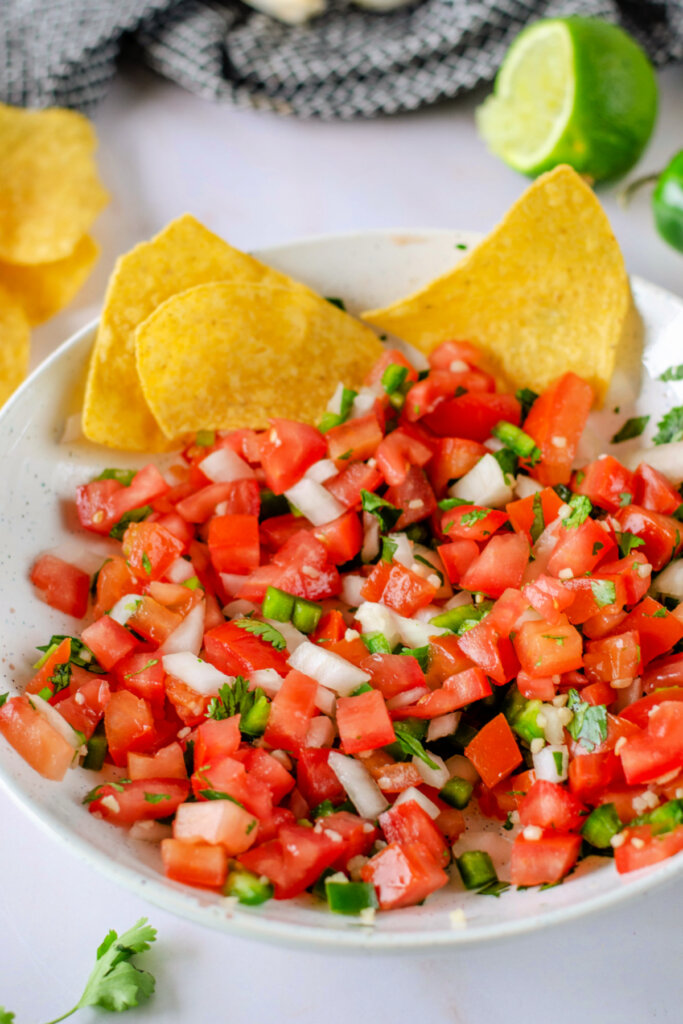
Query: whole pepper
[667,200]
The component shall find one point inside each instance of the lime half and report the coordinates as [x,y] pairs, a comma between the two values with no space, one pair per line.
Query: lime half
[571,90]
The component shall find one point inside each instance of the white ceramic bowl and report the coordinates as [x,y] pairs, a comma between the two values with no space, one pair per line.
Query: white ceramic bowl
[36,513]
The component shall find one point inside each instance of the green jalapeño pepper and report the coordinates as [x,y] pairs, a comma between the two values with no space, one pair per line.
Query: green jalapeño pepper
[667,200]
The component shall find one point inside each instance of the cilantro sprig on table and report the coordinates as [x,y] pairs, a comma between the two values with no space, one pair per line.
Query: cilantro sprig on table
[115,983]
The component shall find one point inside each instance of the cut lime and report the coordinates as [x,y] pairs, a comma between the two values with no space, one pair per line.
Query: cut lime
[571,90]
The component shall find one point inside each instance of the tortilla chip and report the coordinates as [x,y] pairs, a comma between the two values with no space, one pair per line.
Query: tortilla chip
[229,355]
[544,293]
[14,345]
[183,255]
[50,191]
[45,288]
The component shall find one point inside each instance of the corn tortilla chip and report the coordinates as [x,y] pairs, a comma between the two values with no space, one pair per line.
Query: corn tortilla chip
[228,355]
[183,255]
[14,345]
[45,288]
[50,192]
[544,293]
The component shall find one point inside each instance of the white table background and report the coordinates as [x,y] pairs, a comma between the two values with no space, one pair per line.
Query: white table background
[259,180]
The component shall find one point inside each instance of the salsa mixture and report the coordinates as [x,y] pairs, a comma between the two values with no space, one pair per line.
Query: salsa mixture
[318,650]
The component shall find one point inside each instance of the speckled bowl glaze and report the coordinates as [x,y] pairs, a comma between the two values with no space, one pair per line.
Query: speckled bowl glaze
[36,514]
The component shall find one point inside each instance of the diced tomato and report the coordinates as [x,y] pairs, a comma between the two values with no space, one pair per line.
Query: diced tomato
[286,571]
[397,453]
[548,597]
[350,481]
[494,751]
[414,496]
[34,739]
[403,874]
[200,864]
[153,621]
[546,650]
[276,531]
[287,450]
[445,659]
[457,557]
[409,823]
[315,778]
[294,860]
[95,505]
[659,631]
[391,776]
[61,585]
[222,822]
[663,672]
[505,797]
[189,705]
[456,692]
[355,440]
[453,457]
[128,725]
[343,537]
[543,861]
[353,650]
[603,623]
[451,822]
[114,581]
[398,588]
[291,711]
[143,674]
[540,688]
[492,653]
[242,497]
[83,709]
[124,803]
[556,421]
[443,356]
[390,357]
[580,548]
[657,751]
[237,652]
[392,674]
[356,834]
[522,512]
[652,490]
[649,848]
[230,776]
[332,626]
[591,772]
[635,572]
[363,722]
[269,827]
[426,395]
[616,657]
[150,550]
[215,740]
[607,483]
[234,543]
[269,772]
[166,763]
[43,677]
[663,535]
[590,594]
[472,416]
[472,522]
[109,641]
[550,805]
[500,565]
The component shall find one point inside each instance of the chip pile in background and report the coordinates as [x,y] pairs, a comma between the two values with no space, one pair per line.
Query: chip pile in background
[50,194]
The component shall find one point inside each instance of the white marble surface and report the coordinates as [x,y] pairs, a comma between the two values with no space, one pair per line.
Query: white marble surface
[259,180]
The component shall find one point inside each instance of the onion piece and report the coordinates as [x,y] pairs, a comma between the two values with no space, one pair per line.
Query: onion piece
[525,486]
[267,679]
[546,763]
[320,471]
[327,668]
[239,609]
[335,403]
[414,633]
[125,608]
[189,635]
[461,766]
[377,618]
[370,547]
[325,700]
[314,502]
[435,777]
[201,676]
[411,793]
[224,465]
[670,581]
[321,732]
[360,787]
[293,637]
[666,458]
[407,697]
[404,549]
[179,571]
[485,484]
[351,589]
[443,725]
[150,831]
[232,582]
[364,401]
[58,723]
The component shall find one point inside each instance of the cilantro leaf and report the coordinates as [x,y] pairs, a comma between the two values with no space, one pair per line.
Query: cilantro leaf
[156,798]
[80,654]
[631,428]
[251,705]
[136,515]
[507,460]
[410,744]
[526,398]
[123,476]
[670,427]
[263,630]
[581,509]
[448,503]
[389,547]
[430,565]
[538,525]
[205,438]
[421,655]
[589,724]
[334,301]
[3,698]
[5,1016]
[470,518]
[61,677]
[146,564]
[494,888]
[384,512]
[604,592]
[627,542]
[218,794]
[673,373]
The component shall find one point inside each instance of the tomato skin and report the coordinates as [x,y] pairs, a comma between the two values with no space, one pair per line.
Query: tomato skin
[331,627]
[472,522]
[135,673]
[109,641]
[287,449]
[580,548]
[291,711]
[472,416]
[363,722]
[560,412]
[409,823]
[200,864]
[453,457]
[354,441]
[546,650]
[397,453]
[663,672]
[343,537]
[541,688]
[659,749]
[615,657]
[61,585]
[398,588]
[293,861]
[315,778]
[656,848]
[494,751]
[521,512]
[424,396]
[653,491]
[241,496]
[607,483]
[190,706]
[84,708]
[492,653]
[455,692]
[215,740]
[548,597]
[592,772]
[663,535]
[128,725]
[457,557]
[659,631]
[95,505]
[636,580]
[167,763]
[221,822]
[35,739]
[392,674]
[403,874]
[391,776]
[357,837]
[500,565]
[445,659]
[415,488]
[234,543]
[302,550]
[131,804]
[543,861]
[390,356]
[448,352]
[267,771]
[350,481]
[237,652]
[114,581]
[550,805]
[150,549]
[153,621]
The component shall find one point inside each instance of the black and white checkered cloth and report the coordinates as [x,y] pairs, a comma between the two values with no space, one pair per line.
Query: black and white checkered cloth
[345,63]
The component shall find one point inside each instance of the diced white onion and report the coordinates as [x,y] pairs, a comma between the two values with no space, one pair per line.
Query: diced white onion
[73,429]
[189,635]
[430,611]
[199,675]
[414,794]
[404,549]
[283,757]
[179,571]
[670,581]
[666,458]
[435,566]
[364,402]
[351,589]
[461,766]
[224,465]
[314,502]
[329,669]
[525,486]
[458,600]
[267,679]
[125,608]
[443,725]
[150,831]
[370,547]
[407,697]
[321,732]
[335,403]
[320,471]
[554,719]
[325,700]
[58,723]
[414,633]
[293,637]
[485,484]
[545,764]
[232,582]
[361,788]
[239,609]
[435,777]
[377,618]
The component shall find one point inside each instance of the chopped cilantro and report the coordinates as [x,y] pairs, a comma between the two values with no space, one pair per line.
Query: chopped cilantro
[558,638]
[661,613]
[3,698]
[604,592]
[389,547]
[136,515]
[410,744]
[673,373]
[581,509]
[60,678]
[448,503]
[589,724]
[508,825]
[263,630]
[394,377]
[507,460]
[559,761]
[475,516]
[526,398]
[156,798]
[80,654]
[421,654]
[538,524]
[631,428]
[123,476]
[627,542]
[150,664]
[670,427]
[251,705]
[384,512]
[218,794]
[335,301]
[205,438]
[146,564]
[193,583]
[425,561]
[625,498]
[493,888]
[597,546]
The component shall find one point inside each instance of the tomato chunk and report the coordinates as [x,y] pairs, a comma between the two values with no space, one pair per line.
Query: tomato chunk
[363,722]
[543,861]
[61,585]
[404,874]
[35,739]
[200,864]
[556,421]
[494,751]
[287,450]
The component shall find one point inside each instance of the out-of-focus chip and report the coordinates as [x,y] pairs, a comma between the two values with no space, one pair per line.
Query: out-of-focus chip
[228,355]
[45,288]
[545,292]
[183,255]
[50,192]
[14,345]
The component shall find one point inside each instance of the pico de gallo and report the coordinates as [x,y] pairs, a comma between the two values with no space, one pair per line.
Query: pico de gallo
[313,652]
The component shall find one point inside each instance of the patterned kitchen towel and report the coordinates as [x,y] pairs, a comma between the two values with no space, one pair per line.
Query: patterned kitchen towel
[344,63]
